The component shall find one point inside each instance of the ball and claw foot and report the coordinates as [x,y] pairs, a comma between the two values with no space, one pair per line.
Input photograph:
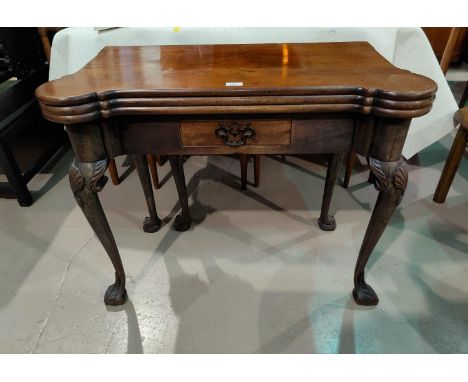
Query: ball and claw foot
[328,224]
[115,295]
[150,225]
[182,224]
[363,294]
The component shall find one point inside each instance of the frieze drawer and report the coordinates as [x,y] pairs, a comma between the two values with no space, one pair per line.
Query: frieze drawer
[235,133]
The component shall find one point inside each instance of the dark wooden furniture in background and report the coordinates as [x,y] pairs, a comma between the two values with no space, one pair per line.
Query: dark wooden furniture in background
[47,34]
[244,160]
[27,140]
[464,97]
[329,98]
[440,37]
[449,54]
[152,161]
[454,158]
[159,160]
[450,45]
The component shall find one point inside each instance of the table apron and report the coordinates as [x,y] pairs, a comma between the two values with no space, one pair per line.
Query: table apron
[198,137]
[379,138]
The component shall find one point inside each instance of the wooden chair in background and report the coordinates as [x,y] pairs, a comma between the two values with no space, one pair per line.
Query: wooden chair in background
[159,160]
[153,160]
[244,160]
[454,157]
[47,34]
[461,139]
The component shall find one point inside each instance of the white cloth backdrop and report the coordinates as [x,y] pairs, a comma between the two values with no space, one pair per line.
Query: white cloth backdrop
[407,48]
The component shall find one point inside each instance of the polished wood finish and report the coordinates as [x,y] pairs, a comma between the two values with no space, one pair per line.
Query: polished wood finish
[454,157]
[330,98]
[276,78]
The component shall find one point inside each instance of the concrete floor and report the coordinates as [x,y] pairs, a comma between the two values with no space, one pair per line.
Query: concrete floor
[254,274]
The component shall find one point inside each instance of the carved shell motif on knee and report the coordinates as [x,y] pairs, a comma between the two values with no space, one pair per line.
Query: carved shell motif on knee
[76,178]
[91,173]
[386,172]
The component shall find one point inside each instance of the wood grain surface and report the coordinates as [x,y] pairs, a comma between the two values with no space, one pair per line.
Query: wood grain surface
[270,78]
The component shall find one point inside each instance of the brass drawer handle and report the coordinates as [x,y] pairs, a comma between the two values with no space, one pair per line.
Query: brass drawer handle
[235,133]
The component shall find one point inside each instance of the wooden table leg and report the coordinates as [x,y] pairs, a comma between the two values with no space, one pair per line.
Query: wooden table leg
[86,180]
[325,221]
[154,170]
[243,163]
[351,159]
[390,179]
[114,173]
[152,223]
[182,221]
[257,170]
[451,165]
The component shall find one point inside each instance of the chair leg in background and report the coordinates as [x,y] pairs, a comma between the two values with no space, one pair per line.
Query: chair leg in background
[257,170]
[154,170]
[14,176]
[451,165]
[327,222]
[243,163]
[113,172]
[351,160]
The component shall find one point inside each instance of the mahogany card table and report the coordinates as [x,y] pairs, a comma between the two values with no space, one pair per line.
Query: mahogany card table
[329,98]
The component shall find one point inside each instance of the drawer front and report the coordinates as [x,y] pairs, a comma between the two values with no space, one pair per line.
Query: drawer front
[235,133]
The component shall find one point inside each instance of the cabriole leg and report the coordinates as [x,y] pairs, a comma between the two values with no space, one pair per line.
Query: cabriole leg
[390,179]
[182,221]
[86,180]
[151,223]
[325,221]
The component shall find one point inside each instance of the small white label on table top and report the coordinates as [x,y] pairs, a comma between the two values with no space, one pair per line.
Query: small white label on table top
[234,84]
